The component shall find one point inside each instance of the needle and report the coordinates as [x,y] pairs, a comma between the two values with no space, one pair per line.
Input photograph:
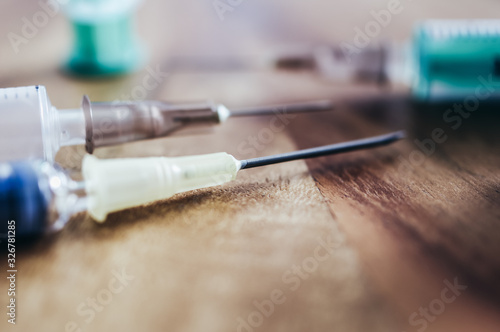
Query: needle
[359,144]
[304,107]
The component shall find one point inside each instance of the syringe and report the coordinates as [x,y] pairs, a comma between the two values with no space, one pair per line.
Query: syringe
[40,197]
[446,60]
[32,128]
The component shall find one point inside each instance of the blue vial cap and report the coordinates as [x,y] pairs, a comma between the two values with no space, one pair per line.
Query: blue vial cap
[105,39]
[21,200]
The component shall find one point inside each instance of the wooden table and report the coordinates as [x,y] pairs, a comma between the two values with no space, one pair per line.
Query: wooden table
[390,239]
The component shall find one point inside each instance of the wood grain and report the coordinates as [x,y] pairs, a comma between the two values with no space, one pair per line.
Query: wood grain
[418,223]
[200,260]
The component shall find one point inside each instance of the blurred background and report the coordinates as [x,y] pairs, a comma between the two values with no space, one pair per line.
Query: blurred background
[252,31]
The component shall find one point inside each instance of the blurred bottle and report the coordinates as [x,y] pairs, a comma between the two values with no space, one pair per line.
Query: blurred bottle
[105,39]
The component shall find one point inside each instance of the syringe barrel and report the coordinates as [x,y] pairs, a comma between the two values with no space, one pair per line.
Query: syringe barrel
[27,124]
[31,128]
[24,199]
[36,197]
[116,184]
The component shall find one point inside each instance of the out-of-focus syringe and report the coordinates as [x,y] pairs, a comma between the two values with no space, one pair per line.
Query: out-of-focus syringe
[32,128]
[445,60]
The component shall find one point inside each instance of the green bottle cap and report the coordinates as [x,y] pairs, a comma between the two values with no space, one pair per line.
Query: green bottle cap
[105,41]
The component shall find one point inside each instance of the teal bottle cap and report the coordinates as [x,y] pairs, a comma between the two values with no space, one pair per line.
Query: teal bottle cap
[105,39]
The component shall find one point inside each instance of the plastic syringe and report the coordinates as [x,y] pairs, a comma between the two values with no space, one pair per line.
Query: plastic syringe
[41,197]
[444,60]
[32,128]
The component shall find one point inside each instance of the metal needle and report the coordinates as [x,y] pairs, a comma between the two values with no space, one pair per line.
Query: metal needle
[305,107]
